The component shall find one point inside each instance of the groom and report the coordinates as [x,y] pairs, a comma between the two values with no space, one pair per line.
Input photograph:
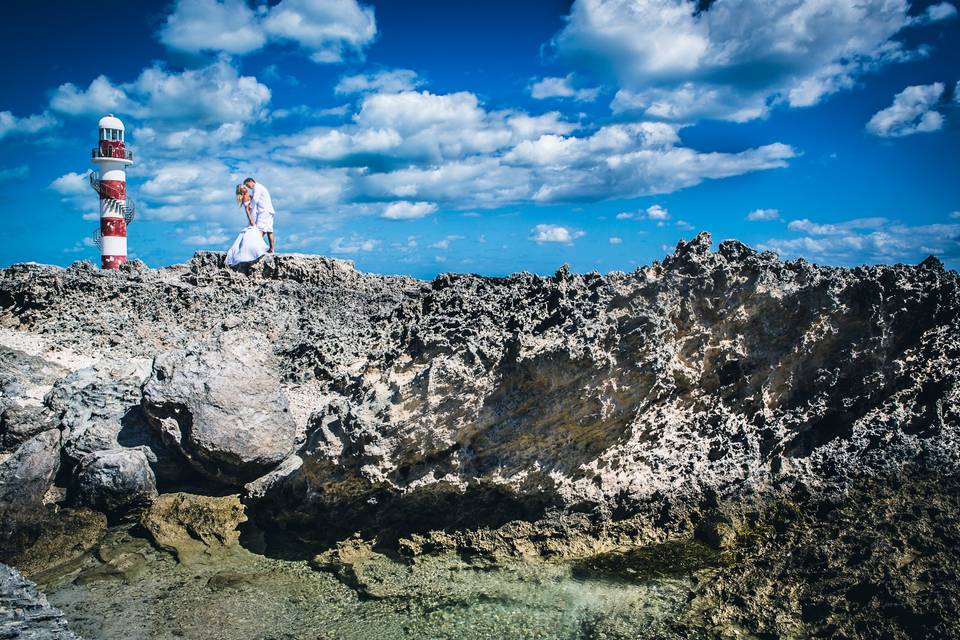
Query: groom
[261,208]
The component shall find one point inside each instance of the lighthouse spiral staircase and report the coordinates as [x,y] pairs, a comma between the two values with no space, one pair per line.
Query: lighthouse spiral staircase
[126,207]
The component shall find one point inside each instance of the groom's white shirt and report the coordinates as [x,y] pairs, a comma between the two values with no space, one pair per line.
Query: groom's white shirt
[260,201]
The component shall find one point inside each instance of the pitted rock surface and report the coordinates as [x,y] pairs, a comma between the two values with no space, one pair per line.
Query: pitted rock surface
[471,400]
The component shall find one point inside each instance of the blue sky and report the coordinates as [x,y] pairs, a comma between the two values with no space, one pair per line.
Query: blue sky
[427,136]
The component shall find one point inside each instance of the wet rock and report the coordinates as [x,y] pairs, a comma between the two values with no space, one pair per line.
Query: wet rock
[115,481]
[716,532]
[25,612]
[54,541]
[190,525]
[222,408]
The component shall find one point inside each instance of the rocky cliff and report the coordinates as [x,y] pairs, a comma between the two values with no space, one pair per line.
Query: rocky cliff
[712,394]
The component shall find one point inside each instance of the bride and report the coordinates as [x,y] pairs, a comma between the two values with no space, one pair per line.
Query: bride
[249,245]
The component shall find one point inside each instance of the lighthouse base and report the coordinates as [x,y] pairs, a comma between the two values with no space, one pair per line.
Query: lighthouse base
[112,262]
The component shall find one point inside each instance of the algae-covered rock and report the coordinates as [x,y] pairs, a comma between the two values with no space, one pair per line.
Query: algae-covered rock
[55,540]
[189,525]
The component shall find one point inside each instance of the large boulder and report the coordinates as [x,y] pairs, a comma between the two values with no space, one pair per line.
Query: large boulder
[97,404]
[24,380]
[99,409]
[222,407]
[115,481]
[27,475]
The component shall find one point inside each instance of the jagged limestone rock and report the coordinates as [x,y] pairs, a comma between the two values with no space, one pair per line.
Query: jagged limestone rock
[222,408]
[25,612]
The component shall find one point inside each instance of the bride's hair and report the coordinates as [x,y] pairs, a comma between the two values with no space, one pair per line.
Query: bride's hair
[241,191]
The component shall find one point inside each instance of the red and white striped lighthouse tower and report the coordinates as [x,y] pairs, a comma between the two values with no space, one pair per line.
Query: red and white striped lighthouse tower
[110,180]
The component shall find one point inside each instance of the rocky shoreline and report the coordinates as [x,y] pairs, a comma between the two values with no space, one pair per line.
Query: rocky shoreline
[786,432]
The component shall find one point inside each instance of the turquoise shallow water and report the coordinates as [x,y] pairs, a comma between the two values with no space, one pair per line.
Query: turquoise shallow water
[248,596]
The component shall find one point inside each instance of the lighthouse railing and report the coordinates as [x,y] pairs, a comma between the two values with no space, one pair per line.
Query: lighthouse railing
[105,151]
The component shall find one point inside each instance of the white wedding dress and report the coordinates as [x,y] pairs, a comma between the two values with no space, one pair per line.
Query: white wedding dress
[248,246]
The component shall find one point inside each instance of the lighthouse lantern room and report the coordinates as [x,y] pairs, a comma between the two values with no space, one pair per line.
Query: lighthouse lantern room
[110,181]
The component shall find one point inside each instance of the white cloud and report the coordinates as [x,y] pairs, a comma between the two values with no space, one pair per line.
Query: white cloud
[867,240]
[353,244]
[562,88]
[683,224]
[72,184]
[11,125]
[408,210]
[555,233]
[445,243]
[955,214]
[936,13]
[212,236]
[211,95]
[75,193]
[329,30]
[18,172]
[656,212]
[98,98]
[229,26]
[912,111]
[392,81]
[734,60]
[615,240]
[758,215]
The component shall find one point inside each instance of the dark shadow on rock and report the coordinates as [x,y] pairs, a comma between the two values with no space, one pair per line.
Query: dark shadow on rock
[283,525]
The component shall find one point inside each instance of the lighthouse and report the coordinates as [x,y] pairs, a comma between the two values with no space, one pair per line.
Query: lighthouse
[110,181]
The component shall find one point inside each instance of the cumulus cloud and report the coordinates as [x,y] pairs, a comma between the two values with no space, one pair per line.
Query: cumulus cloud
[913,111]
[11,125]
[615,240]
[390,81]
[328,30]
[555,233]
[656,212]
[408,210]
[866,240]
[562,88]
[71,184]
[353,244]
[765,215]
[211,95]
[75,193]
[229,26]
[733,60]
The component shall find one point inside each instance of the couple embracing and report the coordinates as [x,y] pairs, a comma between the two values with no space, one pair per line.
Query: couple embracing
[256,203]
